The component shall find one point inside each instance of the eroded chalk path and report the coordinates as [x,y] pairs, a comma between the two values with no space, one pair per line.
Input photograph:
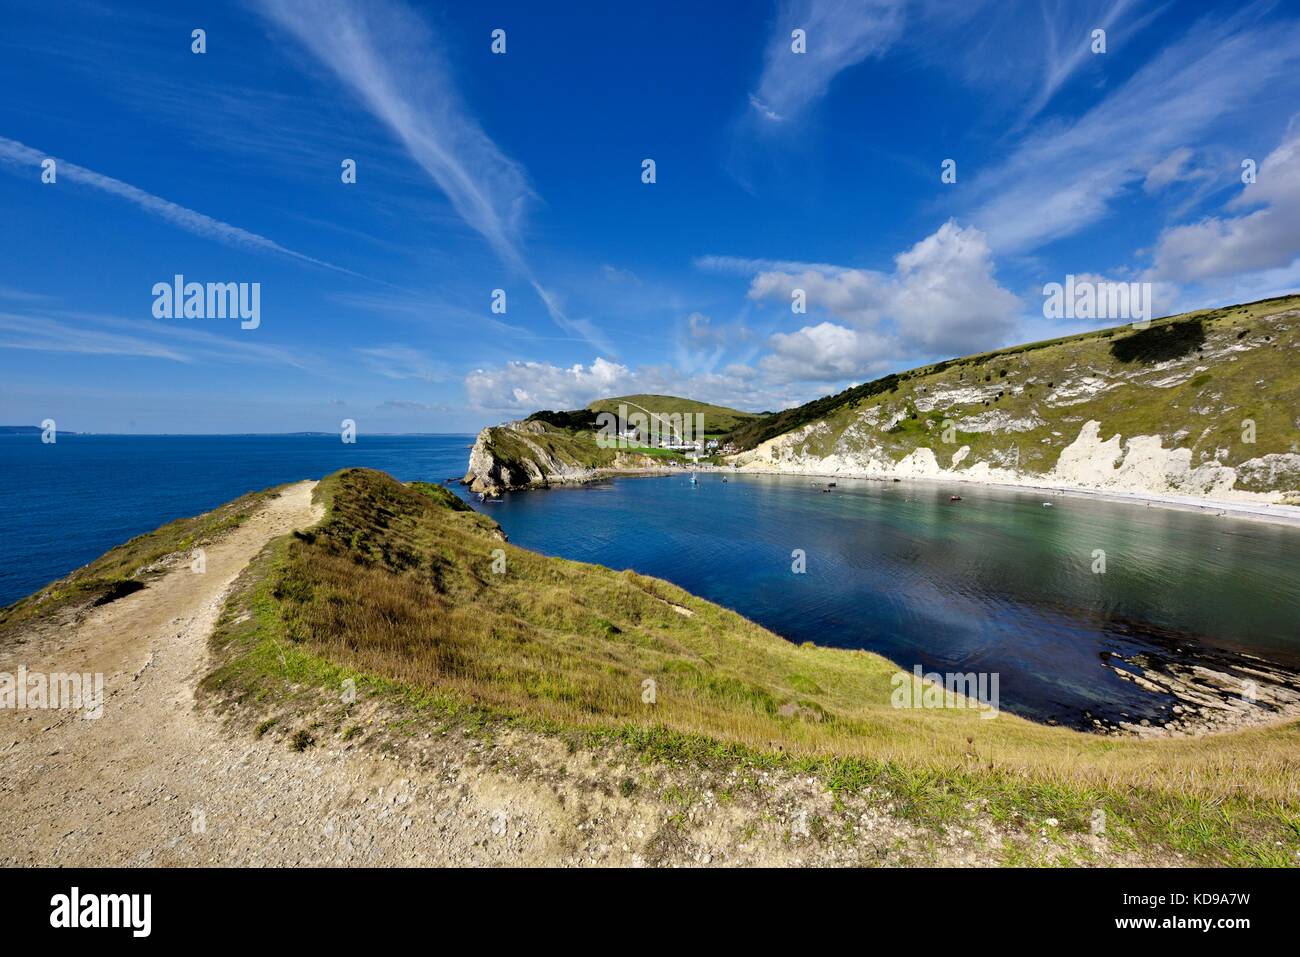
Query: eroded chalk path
[124,788]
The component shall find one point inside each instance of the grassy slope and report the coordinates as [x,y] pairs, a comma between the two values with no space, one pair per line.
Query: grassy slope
[396,589]
[576,448]
[717,419]
[129,566]
[1262,383]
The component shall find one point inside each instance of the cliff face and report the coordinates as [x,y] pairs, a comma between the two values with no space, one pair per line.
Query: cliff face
[1205,405]
[532,454]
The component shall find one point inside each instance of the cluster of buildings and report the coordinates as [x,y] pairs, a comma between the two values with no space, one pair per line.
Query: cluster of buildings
[678,444]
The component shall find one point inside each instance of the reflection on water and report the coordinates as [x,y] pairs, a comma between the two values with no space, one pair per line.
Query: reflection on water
[994,583]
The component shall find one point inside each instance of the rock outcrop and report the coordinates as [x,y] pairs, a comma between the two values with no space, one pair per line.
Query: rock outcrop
[531,454]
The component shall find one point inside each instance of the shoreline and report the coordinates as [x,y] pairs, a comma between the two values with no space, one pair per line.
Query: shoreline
[1264,512]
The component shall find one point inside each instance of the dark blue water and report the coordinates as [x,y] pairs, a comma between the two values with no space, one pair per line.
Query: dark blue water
[996,583]
[65,504]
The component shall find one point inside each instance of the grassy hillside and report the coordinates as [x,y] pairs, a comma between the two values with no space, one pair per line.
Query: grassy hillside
[423,603]
[1191,379]
[717,419]
[747,435]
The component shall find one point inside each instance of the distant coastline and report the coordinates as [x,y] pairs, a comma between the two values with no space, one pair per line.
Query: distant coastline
[25,430]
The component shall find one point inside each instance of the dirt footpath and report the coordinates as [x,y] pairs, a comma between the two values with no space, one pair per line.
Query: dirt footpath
[156,781]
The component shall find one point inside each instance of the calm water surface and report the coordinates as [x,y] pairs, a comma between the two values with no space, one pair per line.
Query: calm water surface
[65,504]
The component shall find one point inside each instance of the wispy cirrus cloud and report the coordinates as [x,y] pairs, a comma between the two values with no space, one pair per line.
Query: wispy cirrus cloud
[91,333]
[1065,177]
[22,295]
[1257,232]
[1048,42]
[840,34]
[387,57]
[397,361]
[1025,53]
[1066,40]
[44,334]
[19,156]
[747,266]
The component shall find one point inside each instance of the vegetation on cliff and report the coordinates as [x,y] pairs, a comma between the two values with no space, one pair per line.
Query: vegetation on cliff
[718,419]
[1222,384]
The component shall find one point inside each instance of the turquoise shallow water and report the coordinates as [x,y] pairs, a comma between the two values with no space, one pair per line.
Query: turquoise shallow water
[995,583]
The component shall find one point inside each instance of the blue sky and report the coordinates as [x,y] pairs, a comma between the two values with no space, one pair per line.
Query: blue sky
[775,171]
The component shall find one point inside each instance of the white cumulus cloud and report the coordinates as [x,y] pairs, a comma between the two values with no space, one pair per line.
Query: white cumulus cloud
[529,386]
[942,297]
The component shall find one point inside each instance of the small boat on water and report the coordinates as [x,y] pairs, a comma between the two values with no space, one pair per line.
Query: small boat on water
[954,498]
[1047,505]
[830,484]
